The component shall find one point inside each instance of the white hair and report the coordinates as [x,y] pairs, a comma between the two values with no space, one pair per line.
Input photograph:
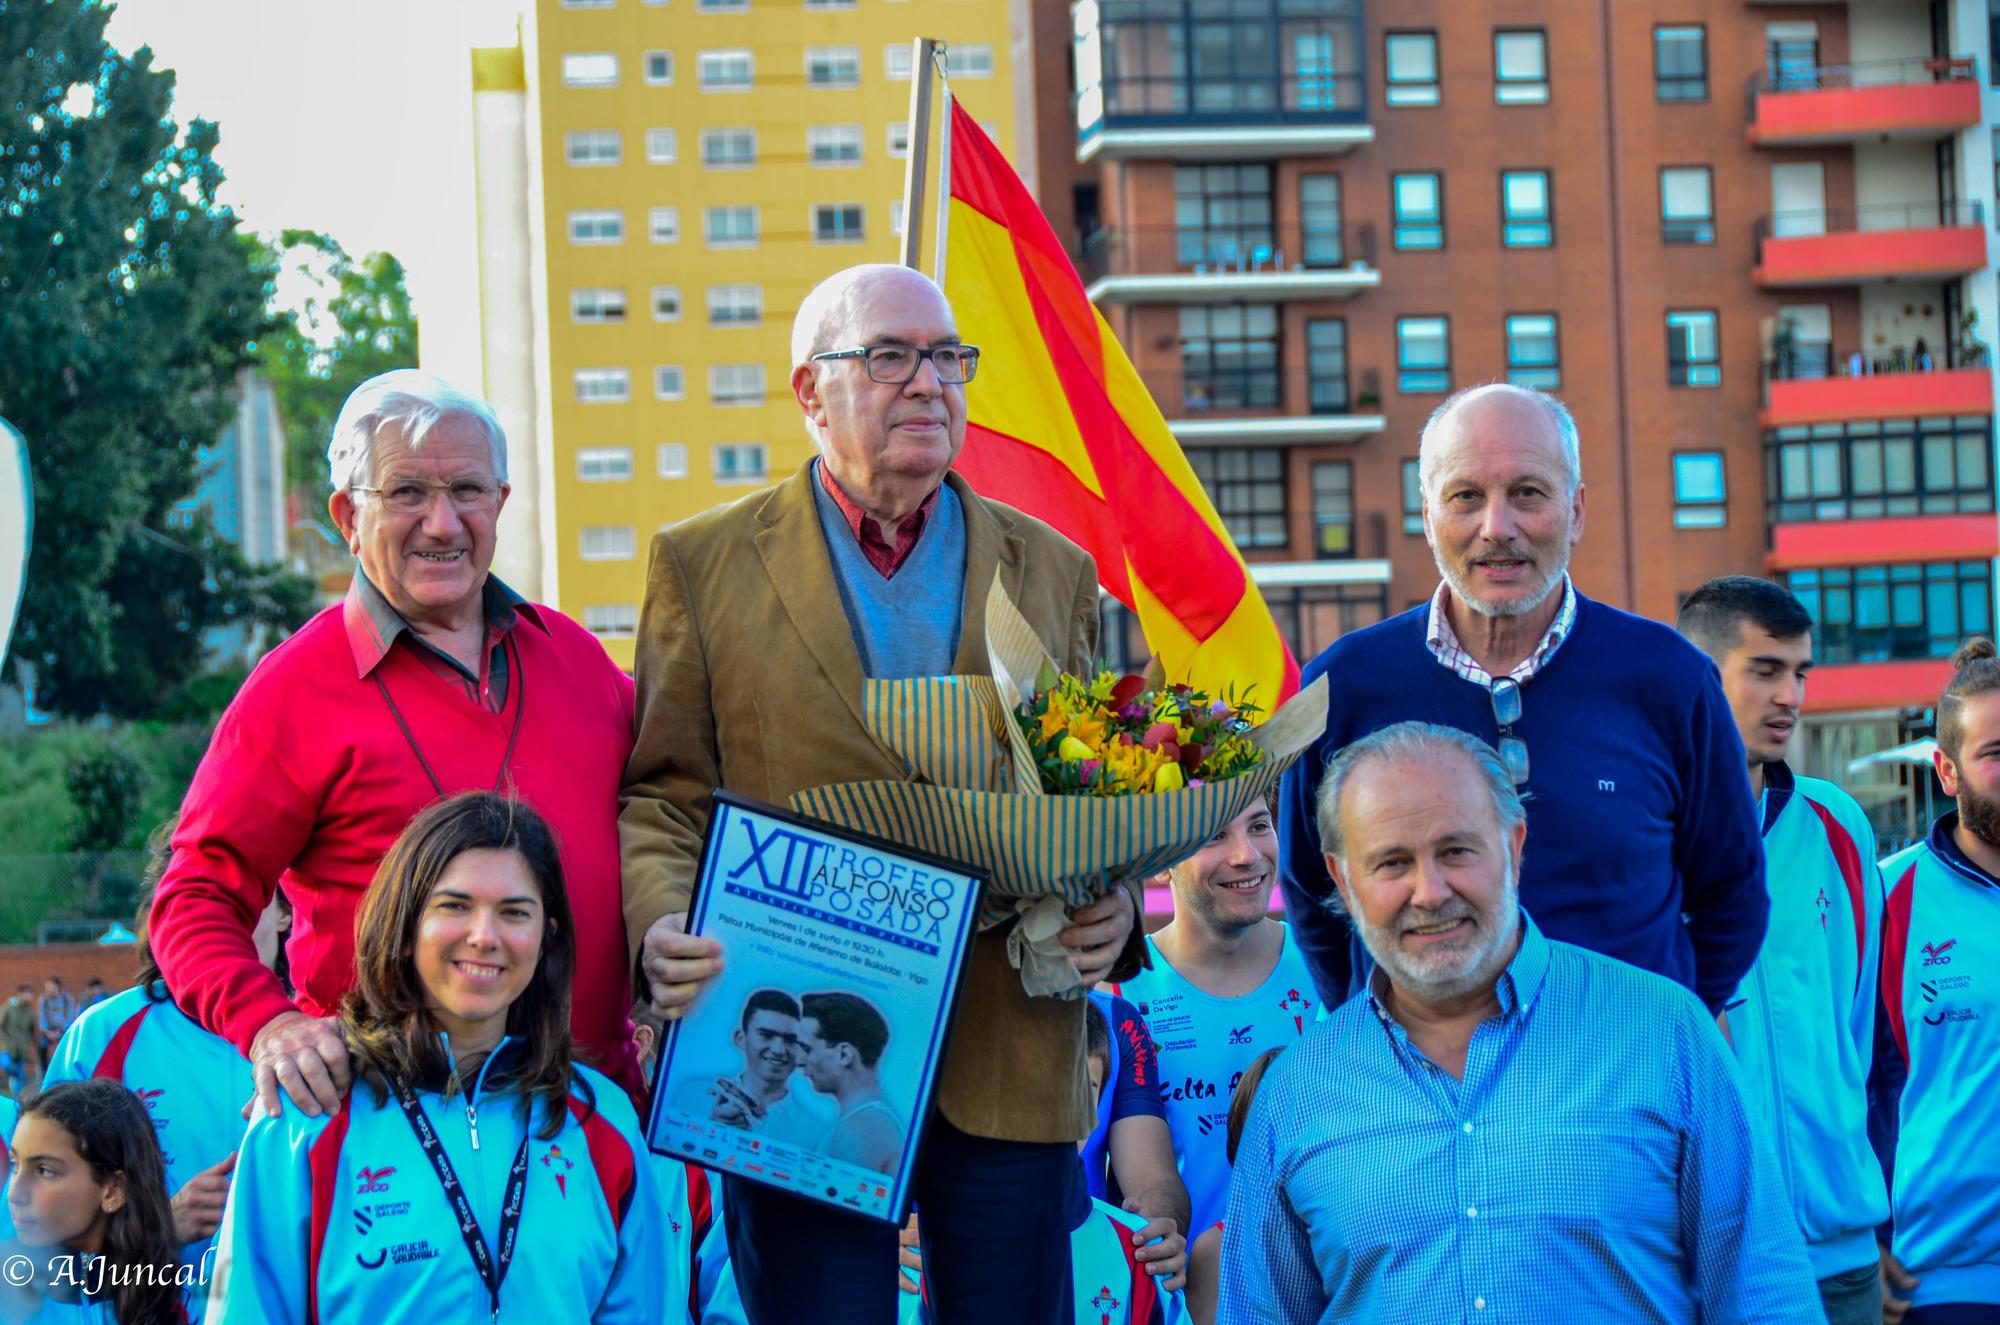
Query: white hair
[1433,438]
[415,402]
[828,309]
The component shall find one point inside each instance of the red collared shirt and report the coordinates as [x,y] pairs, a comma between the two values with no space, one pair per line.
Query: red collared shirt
[885,559]
[374,625]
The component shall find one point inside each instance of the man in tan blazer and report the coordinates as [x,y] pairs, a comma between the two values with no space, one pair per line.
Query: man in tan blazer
[761,620]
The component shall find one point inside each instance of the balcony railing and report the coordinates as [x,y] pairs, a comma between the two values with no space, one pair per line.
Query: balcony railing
[1868,73]
[1265,386]
[1246,250]
[1873,217]
[1808,360]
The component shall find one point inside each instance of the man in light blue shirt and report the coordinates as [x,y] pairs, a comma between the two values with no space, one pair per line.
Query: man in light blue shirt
[1501,1127]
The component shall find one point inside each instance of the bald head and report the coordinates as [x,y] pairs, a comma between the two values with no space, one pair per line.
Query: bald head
[827,315]
[1525,417]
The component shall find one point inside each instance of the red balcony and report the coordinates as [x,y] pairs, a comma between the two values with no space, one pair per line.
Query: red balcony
[1905,683]
[1878,395]
[1916,98]
[1890,241]
[1867,542]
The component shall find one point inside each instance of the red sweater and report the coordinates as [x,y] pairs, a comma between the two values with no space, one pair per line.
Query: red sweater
[308,781]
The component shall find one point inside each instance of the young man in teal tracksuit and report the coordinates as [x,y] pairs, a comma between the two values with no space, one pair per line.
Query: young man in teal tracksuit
[1803,1020]
[1940,1064]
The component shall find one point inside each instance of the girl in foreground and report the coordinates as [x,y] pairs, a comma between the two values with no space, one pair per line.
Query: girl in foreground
[474,1171]
[89,1198]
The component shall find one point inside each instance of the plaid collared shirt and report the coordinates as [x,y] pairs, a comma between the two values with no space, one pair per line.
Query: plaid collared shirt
[1446,649]
[374,624]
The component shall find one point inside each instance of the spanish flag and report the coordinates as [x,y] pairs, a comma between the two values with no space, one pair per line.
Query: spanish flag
[1060,426]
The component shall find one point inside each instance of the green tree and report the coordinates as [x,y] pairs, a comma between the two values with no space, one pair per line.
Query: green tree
[353,322]
[105,785]
[128,303]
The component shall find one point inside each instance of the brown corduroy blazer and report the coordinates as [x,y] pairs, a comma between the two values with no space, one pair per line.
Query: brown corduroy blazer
[749,680]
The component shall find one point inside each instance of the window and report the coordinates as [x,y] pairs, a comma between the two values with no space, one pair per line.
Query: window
[974,60]
[668,383]
[609,542]
[1247,485]
[1914,610]
[1223,215]
[728,149]
[603,464]
[1520,67]
[741,462]
[833,66]
[1880,468]
[1693,358]
[599,305]
[1413,497]
[1531,351]
[829,4]
[659,68]
[1687,213]
[1319,220]
[1333,508]
[1411,60]
[1680,63]
[899,138]
[735,305]
[1229,356]
[587,4]
[896,57]
[736,384]
[671,459]
[726,71]
[1423,354]
[598,386]
[661,146]
[835,144]
[837,223]
[612,620]
[593,147]
[663,224]
[666,303]
[590,69]
[597,227]
[896,216]
[729,227]
[1700,493]
[1527,216]
[1419,205]
[1326,365]
[718,6]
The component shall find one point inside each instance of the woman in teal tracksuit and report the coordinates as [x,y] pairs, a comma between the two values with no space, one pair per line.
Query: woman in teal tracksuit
[474,1172]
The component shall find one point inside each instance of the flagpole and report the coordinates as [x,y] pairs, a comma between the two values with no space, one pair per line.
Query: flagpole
[919,148]
[944,166]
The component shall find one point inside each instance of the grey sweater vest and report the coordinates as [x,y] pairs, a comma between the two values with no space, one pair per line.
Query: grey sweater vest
[906,626]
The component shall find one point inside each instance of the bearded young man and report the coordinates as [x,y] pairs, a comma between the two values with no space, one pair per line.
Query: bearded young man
[1503,1127]
[1615,728]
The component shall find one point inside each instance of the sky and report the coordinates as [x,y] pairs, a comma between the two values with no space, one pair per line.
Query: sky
[353,118]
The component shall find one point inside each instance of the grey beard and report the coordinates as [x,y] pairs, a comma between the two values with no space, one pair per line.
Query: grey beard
[1523,607]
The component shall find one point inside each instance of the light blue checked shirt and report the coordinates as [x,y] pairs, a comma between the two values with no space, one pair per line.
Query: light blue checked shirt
[1595,1164]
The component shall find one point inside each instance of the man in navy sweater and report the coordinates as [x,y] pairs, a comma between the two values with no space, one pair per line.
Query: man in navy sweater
[1615,729]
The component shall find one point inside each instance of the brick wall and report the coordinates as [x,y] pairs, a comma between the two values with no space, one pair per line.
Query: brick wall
[73,963]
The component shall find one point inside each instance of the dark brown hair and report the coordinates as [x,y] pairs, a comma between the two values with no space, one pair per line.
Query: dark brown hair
[1975,670]
[1246,1093]
[113,1134]
[387,1028]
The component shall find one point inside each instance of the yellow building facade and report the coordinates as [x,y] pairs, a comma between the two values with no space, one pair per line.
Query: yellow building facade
[660,184]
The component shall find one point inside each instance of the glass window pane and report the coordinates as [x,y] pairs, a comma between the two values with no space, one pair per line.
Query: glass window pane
[1519,55]
[1684,193]
[1698,477]
[1412,57]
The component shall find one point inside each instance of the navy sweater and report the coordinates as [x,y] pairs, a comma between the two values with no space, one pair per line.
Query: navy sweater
[1639,805]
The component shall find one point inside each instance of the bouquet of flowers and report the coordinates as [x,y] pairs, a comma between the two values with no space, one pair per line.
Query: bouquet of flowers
[1129,777]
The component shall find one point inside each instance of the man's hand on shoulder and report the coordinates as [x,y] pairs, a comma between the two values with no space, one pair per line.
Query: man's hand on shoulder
[1097,934]
[676,964]
[303,1056]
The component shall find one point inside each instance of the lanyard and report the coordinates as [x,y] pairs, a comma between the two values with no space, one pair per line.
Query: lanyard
[519,685]
[490,1274]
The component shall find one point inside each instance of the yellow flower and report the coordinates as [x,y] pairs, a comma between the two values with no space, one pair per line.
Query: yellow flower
[1074,751]
[1055,717]
[1168,778]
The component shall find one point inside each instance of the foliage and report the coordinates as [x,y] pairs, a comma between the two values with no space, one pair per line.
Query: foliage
[354,322]
[105,785]
[128,303]
[1114,735]
[36,811]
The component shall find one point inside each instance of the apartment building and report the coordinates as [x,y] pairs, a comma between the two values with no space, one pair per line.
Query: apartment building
[660,184]
[1748,243]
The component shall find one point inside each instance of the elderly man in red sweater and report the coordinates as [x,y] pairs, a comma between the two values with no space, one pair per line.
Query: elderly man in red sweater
[432,677]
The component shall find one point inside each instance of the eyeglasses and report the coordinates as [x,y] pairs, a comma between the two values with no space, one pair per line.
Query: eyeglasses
[1507,712]
[408,496]
[894,365]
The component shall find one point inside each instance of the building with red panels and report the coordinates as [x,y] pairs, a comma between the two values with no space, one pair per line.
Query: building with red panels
[1747,243]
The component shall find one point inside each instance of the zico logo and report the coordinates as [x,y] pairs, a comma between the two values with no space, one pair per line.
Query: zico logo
[372,1180]
[1935,953]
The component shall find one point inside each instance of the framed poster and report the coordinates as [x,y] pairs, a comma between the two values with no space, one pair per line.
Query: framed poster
[809,1063]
